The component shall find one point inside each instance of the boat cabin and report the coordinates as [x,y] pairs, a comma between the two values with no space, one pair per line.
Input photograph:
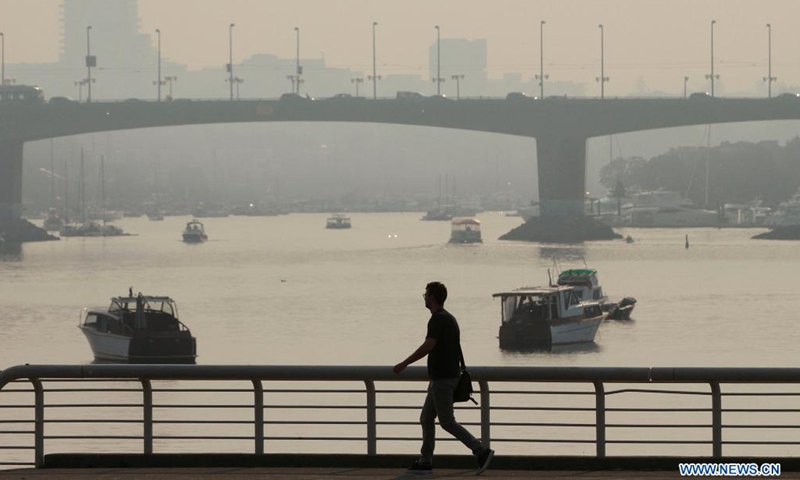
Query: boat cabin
[585,282]
[542,303]
[338,221]
[465,230]
[125,316]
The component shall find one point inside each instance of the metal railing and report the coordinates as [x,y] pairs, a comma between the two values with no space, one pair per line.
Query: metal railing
[257,409]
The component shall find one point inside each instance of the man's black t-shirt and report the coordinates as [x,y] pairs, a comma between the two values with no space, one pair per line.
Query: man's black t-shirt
[443,360]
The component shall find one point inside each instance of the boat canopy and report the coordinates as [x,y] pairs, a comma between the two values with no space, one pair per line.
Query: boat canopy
[152,303]
[465,221]
[578,271]
[533,291]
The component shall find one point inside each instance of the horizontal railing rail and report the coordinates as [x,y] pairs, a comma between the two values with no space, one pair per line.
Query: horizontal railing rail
[357,409]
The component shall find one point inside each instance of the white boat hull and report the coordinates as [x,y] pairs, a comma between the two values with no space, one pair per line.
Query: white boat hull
[107,346]
[583,330]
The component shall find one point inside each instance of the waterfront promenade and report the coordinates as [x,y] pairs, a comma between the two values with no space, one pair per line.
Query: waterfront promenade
[322,473]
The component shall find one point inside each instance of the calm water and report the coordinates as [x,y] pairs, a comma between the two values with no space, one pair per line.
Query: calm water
[284,290]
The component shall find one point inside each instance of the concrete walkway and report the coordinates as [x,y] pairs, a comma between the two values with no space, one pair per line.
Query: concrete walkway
[318,474]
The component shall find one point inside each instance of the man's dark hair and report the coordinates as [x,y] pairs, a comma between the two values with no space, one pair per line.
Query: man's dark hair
[438,291]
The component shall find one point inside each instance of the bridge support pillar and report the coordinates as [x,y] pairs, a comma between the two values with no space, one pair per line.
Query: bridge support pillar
[562,176]
[11,180]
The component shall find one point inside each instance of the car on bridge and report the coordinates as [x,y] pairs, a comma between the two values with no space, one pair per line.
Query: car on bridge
[518,96]
[295,97]
[700,96]
[414,96]
[788,96]
[61,101]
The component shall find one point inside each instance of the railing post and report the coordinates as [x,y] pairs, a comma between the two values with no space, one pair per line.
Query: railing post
[38,433]
[486,417]
[258,416]
[600,418]
[372,418]
[147,416]
[716,420]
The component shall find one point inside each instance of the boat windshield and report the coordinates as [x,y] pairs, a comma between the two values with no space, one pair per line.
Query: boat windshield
[153,304]
[539,306]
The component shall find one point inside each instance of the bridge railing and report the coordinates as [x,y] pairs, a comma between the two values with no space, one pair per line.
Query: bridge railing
[599,412]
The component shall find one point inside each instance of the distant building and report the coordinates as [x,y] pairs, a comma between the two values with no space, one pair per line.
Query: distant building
[460,57]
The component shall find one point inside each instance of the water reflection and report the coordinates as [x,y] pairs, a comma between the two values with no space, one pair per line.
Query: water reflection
[562,253]
[575,348]
[10,252]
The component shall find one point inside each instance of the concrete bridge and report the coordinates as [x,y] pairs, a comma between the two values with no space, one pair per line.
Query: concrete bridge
[561,126]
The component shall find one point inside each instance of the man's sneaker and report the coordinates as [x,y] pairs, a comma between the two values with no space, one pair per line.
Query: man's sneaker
[419,468]
[484,459]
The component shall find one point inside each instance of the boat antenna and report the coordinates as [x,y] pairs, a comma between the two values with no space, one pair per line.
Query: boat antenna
[130,292]
[549,278]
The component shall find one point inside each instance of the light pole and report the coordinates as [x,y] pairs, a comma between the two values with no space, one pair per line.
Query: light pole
[541,77]
[357,81]
[439,78]
[712,77]
[169,79]
[769,78]
[685,79]
[374,73]
[602,78]
[458,79]
[3,59]
[90,62]
[237,81]
[159,82]
[230,57]
[298,69]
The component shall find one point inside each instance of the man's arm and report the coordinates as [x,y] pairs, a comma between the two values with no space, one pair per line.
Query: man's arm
[424,349]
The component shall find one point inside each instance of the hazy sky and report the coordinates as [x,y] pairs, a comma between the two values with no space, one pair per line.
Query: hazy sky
[657,42]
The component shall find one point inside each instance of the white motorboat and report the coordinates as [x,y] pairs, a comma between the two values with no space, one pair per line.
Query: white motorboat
[787,214]
[534,317]
[465,230]
[139,329]
[194,232]
[52,223]
[585,282]
[338,221]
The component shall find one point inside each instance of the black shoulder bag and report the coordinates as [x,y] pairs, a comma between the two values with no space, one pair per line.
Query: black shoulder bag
[463,392]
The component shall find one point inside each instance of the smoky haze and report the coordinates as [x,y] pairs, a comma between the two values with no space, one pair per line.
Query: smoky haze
[650,48]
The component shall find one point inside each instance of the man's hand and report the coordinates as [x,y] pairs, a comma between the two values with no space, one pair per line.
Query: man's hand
[399,367]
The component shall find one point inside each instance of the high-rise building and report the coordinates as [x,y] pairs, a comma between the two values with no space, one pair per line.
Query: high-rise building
[460,57]
[115,37]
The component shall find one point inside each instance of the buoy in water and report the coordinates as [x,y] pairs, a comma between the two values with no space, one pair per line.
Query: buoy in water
[687,240]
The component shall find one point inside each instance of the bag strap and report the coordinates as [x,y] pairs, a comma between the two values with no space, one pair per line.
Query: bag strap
[461,357]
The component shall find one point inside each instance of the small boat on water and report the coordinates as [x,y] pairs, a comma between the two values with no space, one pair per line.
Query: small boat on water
[53,222]
[585,282]
[465,230]
[194,232]
[535,317]
[337,221]
[139,329]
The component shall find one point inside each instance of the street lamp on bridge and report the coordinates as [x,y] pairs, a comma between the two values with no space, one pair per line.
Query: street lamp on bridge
[602,78]
[237,81]
[91,61]
[159,81]
[357,81]
[3,59]
[712,77]
[438,78]
[230,57]
[769,78]
[168,79]
[458,79]
[80,83]
[541,77]
[298,69]
[374,77]
[685,79]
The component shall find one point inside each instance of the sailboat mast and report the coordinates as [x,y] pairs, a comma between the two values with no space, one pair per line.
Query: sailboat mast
[103,187]
[708,161]
[82,193]
[52,177]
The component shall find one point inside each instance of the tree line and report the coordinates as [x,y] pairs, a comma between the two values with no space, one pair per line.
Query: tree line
[736,172]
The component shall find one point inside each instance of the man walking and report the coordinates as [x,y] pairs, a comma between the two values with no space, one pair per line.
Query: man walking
[442,345]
